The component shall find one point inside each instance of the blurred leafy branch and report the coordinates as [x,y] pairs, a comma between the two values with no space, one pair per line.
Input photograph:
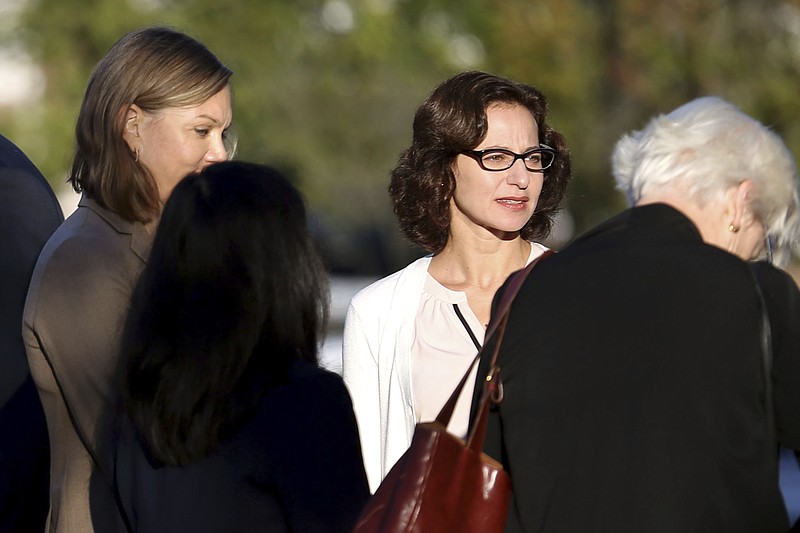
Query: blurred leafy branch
[326,89]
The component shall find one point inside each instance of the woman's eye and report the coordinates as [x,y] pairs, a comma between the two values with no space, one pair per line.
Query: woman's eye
[202,132]
[495,158]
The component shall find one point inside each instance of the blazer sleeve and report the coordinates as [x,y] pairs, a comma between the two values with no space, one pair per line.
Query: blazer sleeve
[73,319]
[783,305]
[360,373]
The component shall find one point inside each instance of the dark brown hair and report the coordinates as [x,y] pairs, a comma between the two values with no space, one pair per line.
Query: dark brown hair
[452,119]
[154,68]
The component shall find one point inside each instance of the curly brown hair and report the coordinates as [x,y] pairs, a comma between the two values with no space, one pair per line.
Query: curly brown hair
[453,119]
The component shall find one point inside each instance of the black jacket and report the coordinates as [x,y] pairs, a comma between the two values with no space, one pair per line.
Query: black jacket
[634,391]
[294,466]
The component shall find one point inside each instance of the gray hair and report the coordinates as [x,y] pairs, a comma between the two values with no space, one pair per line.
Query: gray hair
[709,145]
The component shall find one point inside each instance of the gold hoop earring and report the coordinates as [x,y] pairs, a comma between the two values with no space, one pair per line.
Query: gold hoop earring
[733,228]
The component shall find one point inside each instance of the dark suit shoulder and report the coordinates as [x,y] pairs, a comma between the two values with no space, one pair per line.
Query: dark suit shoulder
[27,191]
[12,157]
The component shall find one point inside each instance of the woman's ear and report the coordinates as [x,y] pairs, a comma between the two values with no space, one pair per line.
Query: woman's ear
[742,215]
[130,129]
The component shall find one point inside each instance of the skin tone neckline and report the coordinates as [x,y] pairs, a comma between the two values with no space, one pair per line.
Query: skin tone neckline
[479,255]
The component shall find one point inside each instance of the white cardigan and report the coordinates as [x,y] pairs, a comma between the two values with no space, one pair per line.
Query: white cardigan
[376,355]
[376,363]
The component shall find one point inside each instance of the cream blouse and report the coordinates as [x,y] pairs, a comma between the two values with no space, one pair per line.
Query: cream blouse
[442,350]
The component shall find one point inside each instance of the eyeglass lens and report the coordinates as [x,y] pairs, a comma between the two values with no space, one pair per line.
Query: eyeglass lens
[502,159]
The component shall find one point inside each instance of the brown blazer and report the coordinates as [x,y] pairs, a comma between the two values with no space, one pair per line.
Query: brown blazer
[74,312]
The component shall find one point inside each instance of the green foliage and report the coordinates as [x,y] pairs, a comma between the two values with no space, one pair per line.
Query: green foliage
[326,90]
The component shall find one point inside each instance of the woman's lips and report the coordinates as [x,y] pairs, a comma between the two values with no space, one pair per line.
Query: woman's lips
[513,201]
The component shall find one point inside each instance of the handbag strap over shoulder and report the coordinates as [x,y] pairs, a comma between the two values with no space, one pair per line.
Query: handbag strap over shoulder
[497,325]
[492,394]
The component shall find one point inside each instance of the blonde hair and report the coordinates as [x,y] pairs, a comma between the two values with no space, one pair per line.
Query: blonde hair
[154,68]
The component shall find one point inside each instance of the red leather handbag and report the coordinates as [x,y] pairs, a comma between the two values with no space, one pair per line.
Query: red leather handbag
[442,483]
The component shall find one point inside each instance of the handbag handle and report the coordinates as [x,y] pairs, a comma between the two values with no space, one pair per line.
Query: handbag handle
[496,325]
[492,394]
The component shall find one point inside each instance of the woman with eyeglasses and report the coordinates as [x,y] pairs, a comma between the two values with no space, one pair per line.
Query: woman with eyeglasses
[478,187]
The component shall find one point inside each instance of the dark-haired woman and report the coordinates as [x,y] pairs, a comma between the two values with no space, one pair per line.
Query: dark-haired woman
[228,423]
[479,185]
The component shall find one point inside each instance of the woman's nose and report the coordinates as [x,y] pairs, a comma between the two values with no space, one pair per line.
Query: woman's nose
[518,175]
[217,152]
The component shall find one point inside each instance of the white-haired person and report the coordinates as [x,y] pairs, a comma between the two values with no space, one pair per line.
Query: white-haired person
[639,396]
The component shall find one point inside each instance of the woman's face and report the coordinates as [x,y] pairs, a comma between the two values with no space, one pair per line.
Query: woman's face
[498,202]
[175,142]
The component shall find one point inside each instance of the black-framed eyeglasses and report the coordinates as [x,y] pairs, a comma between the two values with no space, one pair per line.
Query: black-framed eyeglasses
[497,159]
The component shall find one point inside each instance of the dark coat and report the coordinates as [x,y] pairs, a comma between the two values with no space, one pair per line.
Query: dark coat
[29,214]
[634,391]
[295,466]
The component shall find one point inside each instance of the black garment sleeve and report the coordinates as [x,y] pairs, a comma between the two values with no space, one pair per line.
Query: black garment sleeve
[783,306]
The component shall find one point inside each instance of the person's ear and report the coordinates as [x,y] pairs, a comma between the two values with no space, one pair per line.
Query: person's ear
[130,129]
[739,203]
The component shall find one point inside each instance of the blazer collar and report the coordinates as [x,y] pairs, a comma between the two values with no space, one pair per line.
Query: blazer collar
[141,239]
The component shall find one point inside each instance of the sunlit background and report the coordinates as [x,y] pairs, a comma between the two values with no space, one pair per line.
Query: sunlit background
[325,90]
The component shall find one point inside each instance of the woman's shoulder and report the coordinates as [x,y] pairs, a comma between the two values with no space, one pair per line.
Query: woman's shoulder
[82,247]
[778,287]
[87,233]
[537,249]
[303,379]
[400,282]
[307,393]
[306,373]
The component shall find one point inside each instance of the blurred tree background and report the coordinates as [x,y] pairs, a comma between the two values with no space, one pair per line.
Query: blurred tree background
[326,89]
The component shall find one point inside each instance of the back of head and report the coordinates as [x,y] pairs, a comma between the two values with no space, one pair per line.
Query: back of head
[232,292]
[705,147]
[154,68]
[454,118]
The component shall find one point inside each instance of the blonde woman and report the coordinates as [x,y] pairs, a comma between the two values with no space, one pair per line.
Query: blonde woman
[157,107]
